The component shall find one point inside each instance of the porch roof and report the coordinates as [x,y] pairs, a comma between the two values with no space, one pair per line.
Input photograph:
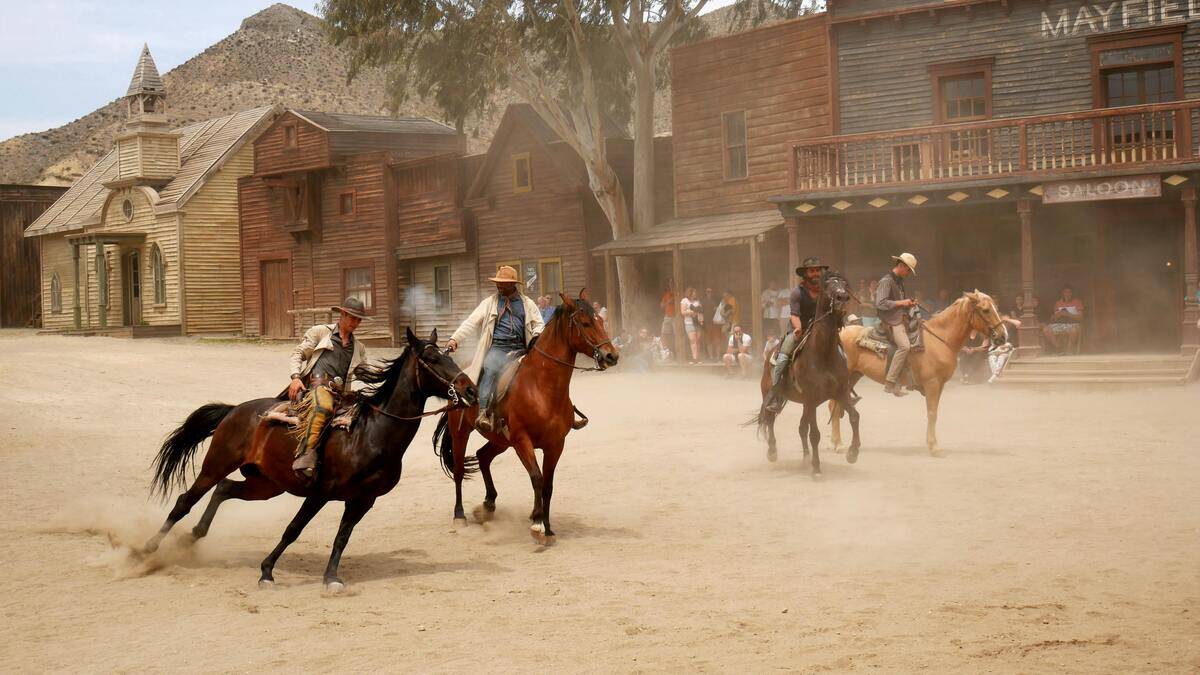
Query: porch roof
[698,232]
[103,237]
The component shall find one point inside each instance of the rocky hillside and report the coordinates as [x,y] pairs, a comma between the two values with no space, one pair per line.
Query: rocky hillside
[277,55]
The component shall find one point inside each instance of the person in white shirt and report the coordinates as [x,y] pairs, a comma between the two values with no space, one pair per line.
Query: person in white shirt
[783,303]
[770,302]
[737,355]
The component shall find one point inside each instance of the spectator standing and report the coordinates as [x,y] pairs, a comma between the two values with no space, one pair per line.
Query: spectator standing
[866,304]
[600,311]
[783,304]
[737,354]
[770,308]
[546,308]
[693,322]
[668,306]
[714,333]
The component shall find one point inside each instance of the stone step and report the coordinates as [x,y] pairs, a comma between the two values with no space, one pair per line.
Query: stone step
[1093,380]
[1173,371]
[1101,364]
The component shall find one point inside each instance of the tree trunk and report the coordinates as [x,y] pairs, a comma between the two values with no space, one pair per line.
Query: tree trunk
[610,196]
[643,147]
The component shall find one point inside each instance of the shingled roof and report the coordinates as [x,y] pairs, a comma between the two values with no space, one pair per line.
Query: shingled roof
[145,76]
[699,232]
[203,149]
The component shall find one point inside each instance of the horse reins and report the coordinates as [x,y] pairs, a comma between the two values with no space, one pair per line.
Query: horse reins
[452,395]
[595,349]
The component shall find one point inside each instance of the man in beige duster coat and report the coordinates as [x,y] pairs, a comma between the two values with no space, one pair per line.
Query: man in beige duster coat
[503,323]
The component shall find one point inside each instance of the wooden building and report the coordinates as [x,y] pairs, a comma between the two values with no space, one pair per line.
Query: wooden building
[739,102]
[352,205]
[146,242]
[533,208]
[20,258]
[1015,146]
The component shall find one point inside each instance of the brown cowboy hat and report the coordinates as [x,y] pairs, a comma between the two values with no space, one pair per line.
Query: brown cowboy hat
[809,263]
[352,306]
[506,275]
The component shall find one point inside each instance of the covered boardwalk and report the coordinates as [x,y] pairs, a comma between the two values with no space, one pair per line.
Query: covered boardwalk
[727,251]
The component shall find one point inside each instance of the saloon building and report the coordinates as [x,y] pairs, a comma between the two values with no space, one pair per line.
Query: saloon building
[1015,146]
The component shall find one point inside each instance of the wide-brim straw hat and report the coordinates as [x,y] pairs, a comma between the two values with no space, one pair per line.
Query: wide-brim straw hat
[908,259]
[354,307]
[506,275]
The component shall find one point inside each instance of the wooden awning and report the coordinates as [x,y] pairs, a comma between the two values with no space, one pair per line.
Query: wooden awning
[700,232]
[105,238]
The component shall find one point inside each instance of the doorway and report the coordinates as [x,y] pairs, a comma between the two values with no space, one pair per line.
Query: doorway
[1147,284]
[276,279]
[131,289]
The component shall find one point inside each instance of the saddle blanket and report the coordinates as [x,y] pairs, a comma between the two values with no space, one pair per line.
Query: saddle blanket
[282,414]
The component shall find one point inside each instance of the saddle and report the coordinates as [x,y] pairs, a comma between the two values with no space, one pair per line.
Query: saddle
[284,414]
[878,341]
[504,382]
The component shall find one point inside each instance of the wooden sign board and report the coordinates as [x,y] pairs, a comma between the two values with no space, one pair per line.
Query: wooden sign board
[1100,189]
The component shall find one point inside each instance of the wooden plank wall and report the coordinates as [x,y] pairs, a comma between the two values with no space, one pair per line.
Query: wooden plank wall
[270,156]
[400,145]
[161,229]
[20,304]
[427,209]
[56,257]
[262,238]
[883,72]
[547,222]
[779,75]
[418,298]
[210,231]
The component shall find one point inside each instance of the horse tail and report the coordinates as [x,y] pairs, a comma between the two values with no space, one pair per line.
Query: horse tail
[443,446]
[763,419]
[179,447]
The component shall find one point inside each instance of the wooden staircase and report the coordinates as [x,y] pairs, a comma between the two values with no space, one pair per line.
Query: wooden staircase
[1103,370]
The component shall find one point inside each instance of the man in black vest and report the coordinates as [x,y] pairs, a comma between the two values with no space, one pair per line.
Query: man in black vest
[803,308]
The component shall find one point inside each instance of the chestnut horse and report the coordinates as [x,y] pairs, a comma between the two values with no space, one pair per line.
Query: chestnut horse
[816,374]
[932,367]
[538,409]
[357,466]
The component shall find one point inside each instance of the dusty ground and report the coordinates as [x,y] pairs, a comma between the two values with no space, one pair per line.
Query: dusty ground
[1060,533]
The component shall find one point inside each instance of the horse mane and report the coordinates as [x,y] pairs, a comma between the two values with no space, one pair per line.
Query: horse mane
[558,319]
[381,379]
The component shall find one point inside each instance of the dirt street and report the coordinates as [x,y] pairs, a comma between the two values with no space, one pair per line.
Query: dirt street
[1060,533]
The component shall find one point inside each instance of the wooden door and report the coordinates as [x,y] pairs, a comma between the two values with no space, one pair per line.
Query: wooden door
[276,280]
[131,289]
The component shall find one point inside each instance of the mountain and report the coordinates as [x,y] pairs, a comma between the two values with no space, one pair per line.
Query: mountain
[279,55]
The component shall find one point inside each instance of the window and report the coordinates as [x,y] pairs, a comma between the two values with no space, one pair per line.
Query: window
[55,294]
[127,210]
[962,91]
[1138,69]
[158,271]
[550,272]
[441,288]
[733,131]
[359,282]
[522,173]
[290,139]
[346,203]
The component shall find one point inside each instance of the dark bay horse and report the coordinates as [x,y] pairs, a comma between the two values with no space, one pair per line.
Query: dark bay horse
[818,373]
[538,409]
[358,465]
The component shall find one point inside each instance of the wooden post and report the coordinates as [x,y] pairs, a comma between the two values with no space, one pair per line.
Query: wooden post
[1191,274]
[102,299]
[1030,332]
[610,296]
[756,291]
[681,342]
[793,235]
[77,310]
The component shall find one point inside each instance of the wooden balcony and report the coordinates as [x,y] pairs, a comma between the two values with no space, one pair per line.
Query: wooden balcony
[1012,147]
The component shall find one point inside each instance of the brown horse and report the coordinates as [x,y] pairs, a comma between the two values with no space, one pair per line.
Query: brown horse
[817,374]
[932,367]
[538,410]
[357,466]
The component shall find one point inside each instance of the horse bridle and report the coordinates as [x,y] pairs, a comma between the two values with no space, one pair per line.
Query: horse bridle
[994,329]
[454,400]
[596,355]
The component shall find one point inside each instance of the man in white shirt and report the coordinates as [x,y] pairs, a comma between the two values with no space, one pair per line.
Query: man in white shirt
[783,304]
[770,301]
[737,355]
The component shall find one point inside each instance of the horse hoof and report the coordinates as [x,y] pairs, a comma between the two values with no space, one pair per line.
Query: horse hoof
[852,455]
[460,522]
[483,514]
[839,449]
[335,588]
[816,475]
[936,452]
[266,584]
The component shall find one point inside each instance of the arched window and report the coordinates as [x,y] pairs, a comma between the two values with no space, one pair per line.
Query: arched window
[158,270]
[55,294]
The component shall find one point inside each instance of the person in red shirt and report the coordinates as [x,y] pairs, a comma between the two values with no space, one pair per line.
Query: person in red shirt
[1066,325]
[668,306]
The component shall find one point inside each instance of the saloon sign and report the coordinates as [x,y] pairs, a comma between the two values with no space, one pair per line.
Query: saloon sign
[1099,189]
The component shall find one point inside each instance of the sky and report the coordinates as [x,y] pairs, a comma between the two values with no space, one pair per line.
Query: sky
[62,59]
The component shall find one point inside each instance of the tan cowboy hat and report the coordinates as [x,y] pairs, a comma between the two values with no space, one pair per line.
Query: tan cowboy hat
[352,306]
[506,275]
[908,259]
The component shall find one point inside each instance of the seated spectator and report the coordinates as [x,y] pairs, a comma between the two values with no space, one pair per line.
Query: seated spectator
[999,354]
[737,355]
[1012,320]
[1065,327]
[942,301]
[972,357]
[639,351]
[772,342]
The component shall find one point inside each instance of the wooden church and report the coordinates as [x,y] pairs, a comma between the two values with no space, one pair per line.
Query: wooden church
[146,242]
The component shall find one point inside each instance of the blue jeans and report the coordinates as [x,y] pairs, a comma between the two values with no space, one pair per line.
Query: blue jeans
[493,363]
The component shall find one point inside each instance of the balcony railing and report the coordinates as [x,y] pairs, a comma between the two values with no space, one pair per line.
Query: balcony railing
[1132,135]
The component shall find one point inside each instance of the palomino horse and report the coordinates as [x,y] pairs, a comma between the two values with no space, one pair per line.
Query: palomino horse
[932,367]
[817,374]
[537,406]
[358,465]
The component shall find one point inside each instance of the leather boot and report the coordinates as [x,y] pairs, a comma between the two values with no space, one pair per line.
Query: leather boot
[305,465]
[895,389]
[485,422]
[776,399]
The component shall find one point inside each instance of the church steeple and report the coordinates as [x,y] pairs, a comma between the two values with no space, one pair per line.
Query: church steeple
[148,152]
[146,98]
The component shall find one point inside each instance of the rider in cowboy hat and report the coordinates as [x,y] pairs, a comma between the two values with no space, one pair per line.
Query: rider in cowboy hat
[324,363]
[803,303]
[891,303]
[505,323]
